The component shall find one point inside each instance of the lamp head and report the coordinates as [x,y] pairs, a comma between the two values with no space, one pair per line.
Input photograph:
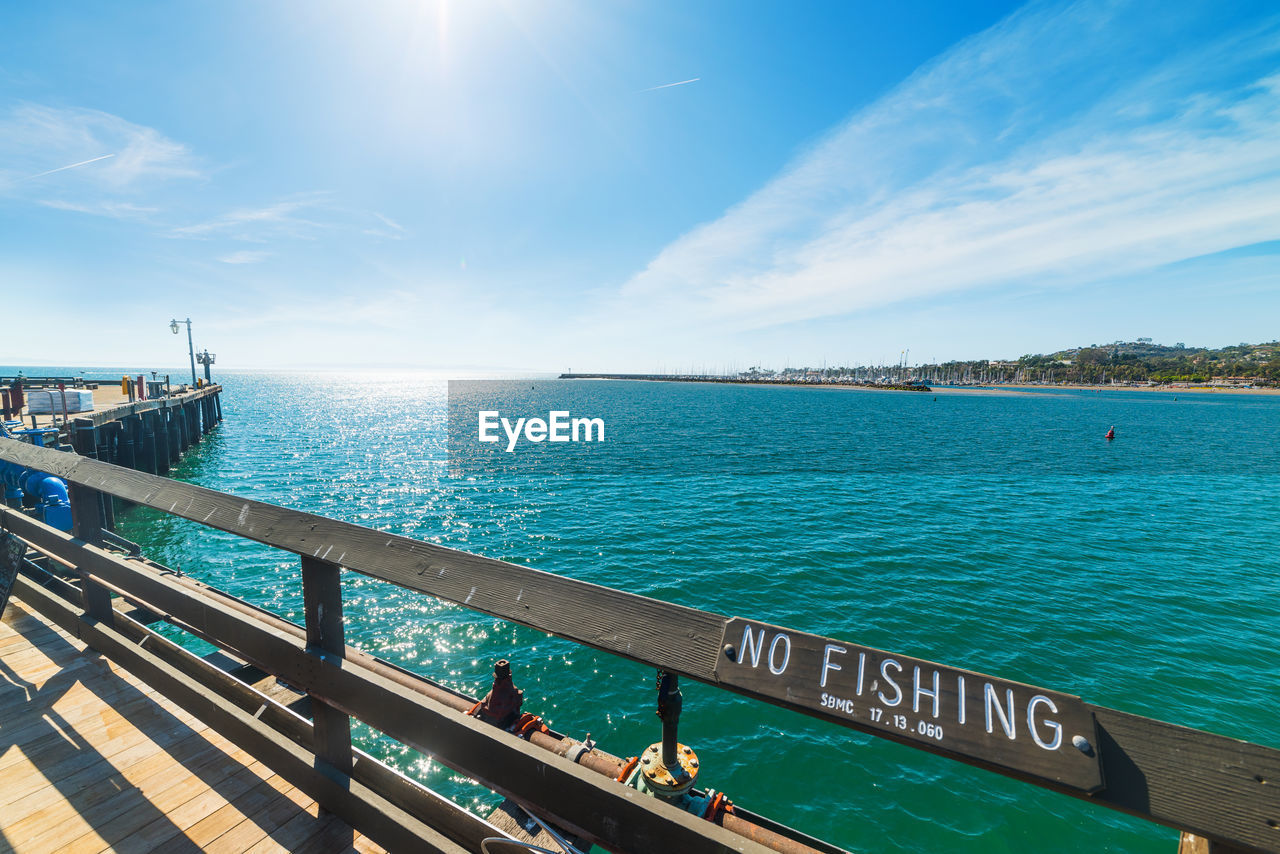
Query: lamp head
[173,326]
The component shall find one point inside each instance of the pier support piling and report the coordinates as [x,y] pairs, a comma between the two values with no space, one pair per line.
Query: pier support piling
[126,447]
[164,441]
[104,437]
[147,434]
[177,421]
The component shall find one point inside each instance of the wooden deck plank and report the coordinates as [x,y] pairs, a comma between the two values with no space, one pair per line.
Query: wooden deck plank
[280,817]
[56,762]
[33,670]
[56,756]
[261,822]
[32,631]
[87,711]
[77,704]
[87,695]
[295,831]
[365,845]
[217,823]
[104,779]
[284,695]
[36,671]
[92,759]
[181,803]
[54,651]
[123,812]
[18,620]
[36,725]
[52,823]
[32,680]
[11,639]
[25,657]
[333,835]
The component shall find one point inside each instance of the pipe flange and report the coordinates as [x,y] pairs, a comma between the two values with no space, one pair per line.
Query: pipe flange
[668,782]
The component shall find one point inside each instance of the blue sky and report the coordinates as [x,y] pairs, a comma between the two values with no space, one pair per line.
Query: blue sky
[514,184]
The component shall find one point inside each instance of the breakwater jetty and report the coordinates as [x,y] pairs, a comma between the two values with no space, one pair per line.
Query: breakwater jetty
[814,381]
[278,699]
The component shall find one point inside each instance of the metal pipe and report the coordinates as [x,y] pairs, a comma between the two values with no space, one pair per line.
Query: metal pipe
[595,760]
[191,350]
[605,764]
[670,701]
[54,506]
[191,347]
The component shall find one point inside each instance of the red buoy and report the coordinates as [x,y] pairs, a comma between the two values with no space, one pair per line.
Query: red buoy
[1111,434]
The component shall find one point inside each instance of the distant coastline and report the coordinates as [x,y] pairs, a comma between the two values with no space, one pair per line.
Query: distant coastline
[680,378]
[992,388]
[1121,364]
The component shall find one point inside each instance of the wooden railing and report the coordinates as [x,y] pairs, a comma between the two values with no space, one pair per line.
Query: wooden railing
[1221,789]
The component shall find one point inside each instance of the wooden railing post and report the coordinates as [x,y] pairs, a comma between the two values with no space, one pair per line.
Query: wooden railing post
[86,522]
[322,601]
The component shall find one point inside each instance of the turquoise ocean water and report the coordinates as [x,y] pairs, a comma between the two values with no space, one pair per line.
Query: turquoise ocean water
[996,532]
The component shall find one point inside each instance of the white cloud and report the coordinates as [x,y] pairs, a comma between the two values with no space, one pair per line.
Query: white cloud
[70,166]
[116,210]
[39,143]
[305,216]
[1068,143]
[92,162]
[389,229]
[245,257]
[669,85]
[281,218]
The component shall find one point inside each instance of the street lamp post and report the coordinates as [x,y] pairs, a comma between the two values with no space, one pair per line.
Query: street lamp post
[191,348]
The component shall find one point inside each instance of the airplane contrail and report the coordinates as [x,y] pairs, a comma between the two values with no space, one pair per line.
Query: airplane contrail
[70,166]
[669,85]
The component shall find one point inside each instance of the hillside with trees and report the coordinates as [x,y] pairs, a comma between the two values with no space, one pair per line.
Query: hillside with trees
[1122,362]
[1142,361]
[1138,361]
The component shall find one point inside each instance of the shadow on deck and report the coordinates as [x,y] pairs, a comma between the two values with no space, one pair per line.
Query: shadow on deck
[92,760]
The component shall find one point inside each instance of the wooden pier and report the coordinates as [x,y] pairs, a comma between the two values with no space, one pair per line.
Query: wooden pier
[111,404]
[93,759]
[147,435]
[101,593]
